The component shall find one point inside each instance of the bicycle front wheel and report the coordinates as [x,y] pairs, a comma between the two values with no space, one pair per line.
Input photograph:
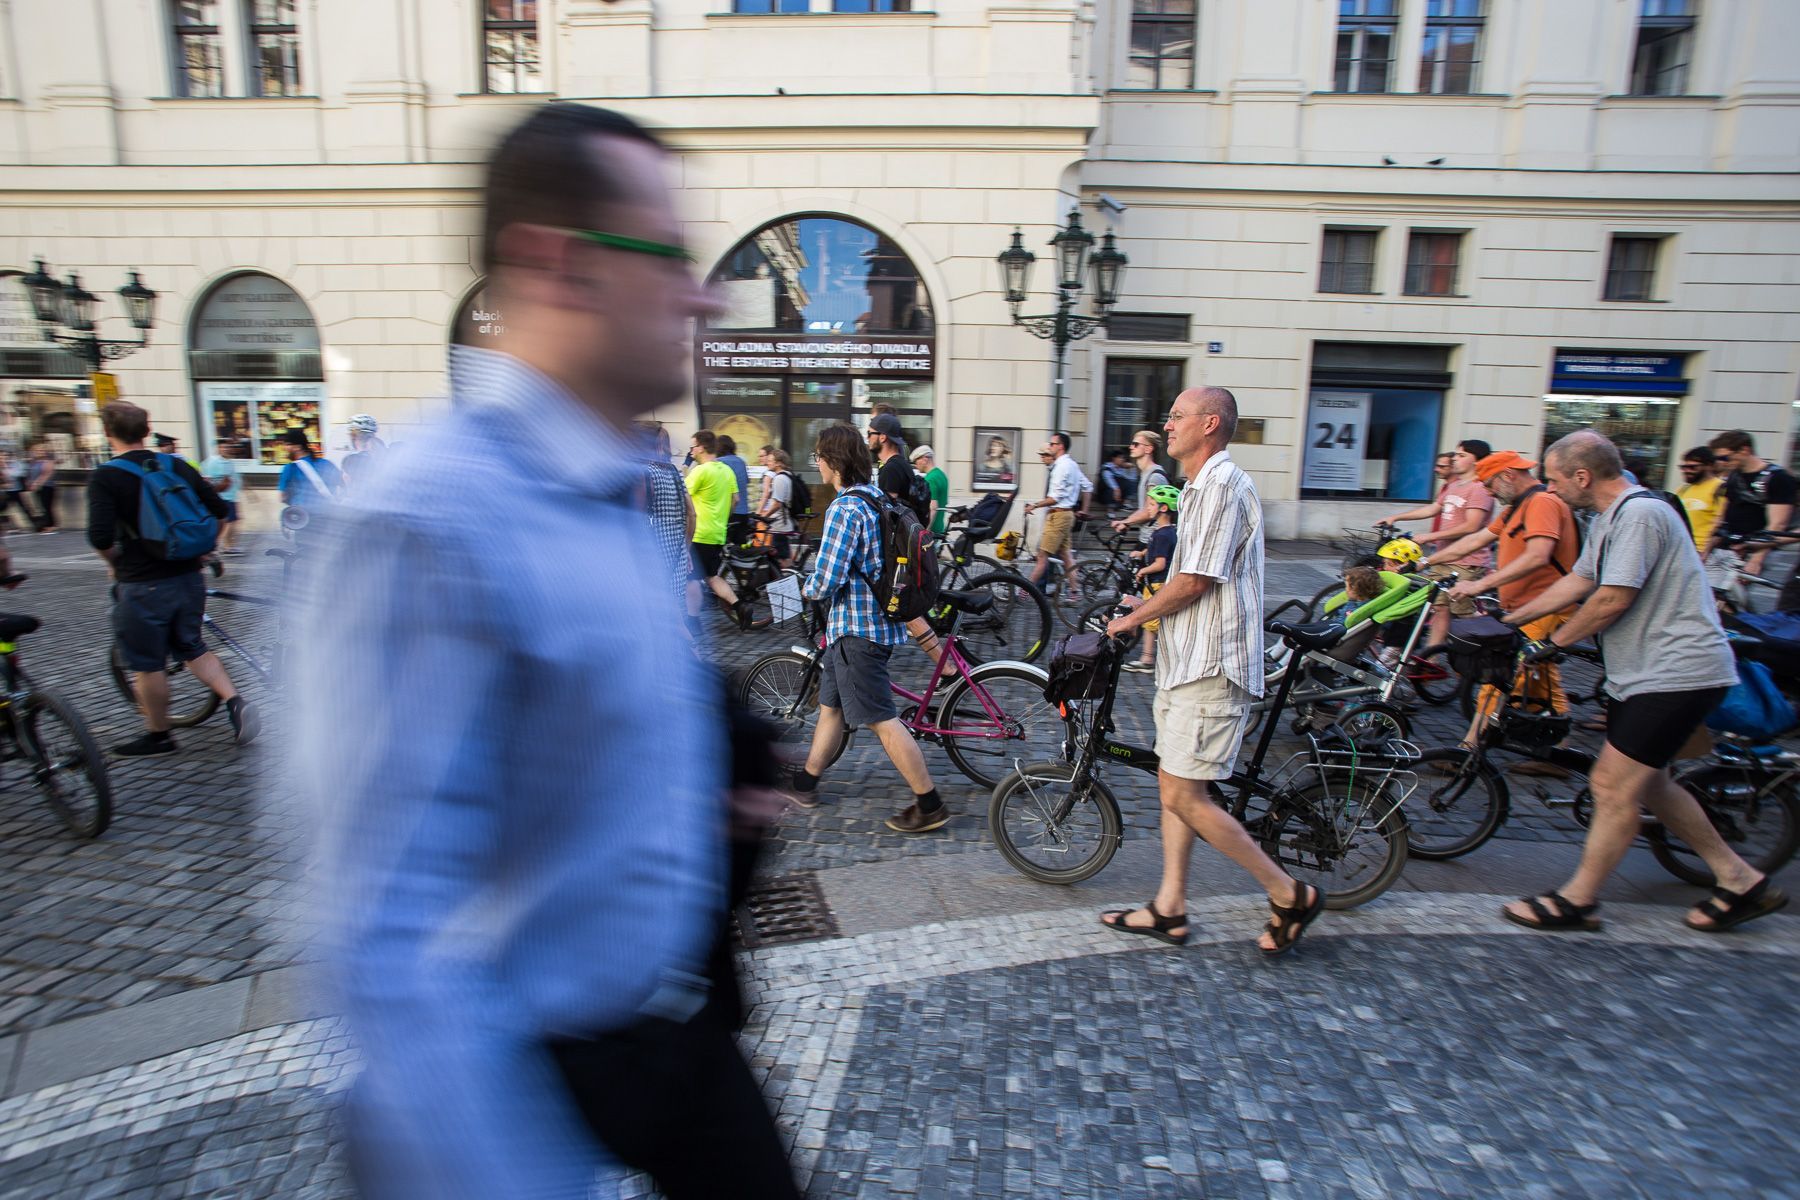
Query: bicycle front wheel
[1372,724]
[997,718]
[1017,627]
[66,765]
[1431,675]
[190,701]
[1350,843]
[1050,827]
[1461,802]
[1763,828]
[783,689]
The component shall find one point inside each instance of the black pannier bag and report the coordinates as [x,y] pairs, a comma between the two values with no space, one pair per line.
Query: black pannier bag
[1484,648]
[1080,665]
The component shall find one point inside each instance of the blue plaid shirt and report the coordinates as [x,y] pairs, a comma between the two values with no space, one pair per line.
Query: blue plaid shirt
[850,556]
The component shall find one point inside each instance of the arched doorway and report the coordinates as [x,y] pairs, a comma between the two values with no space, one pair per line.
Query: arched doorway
[253,353]
[825,318]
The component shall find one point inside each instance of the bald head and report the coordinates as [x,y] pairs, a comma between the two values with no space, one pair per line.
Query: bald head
[1586,450]
[1217,402]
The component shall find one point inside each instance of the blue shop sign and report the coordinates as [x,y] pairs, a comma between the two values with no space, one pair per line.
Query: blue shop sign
[1635,374]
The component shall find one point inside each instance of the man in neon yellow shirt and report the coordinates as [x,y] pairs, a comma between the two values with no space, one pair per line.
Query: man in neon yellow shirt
[1702,494]
[712,485]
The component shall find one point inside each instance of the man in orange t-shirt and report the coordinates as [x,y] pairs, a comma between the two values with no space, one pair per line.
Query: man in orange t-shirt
[1535,544]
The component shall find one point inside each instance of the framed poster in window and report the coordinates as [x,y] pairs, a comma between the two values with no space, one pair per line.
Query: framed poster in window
[996,460]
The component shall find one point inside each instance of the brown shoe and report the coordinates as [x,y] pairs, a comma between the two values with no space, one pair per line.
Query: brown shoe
[912,819]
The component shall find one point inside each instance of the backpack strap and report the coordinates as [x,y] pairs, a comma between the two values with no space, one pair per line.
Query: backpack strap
[1518,506]
[312,474]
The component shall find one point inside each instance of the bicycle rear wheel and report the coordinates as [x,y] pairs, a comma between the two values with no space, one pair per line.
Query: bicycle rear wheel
[1350,843]
[1460,803]
[1763,828]
[190,701]
[783,689]
[1051,829]
[1034,728]
[66,765]
[1016,628]
[1431,675]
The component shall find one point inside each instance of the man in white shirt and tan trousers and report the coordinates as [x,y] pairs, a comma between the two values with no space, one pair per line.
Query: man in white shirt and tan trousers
[1208,670]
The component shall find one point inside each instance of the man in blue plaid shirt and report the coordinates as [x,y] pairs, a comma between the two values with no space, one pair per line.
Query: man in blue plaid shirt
[853,687]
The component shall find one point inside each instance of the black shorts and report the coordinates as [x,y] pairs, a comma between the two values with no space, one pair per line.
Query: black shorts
[855,680]
[1653,727]
[708,558]
[159,620]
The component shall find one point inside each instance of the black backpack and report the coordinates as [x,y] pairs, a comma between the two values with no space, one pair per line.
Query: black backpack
[908,584]
[1080,666]
[799,497]
[920,498]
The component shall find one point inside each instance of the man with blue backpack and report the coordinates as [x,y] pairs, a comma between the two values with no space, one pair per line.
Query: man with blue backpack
[154,520]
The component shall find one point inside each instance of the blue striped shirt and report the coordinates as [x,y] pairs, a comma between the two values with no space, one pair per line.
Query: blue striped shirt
[519,772]
[850,556]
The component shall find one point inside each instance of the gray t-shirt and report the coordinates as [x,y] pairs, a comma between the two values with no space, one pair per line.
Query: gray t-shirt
[1154,477]
[1670,639]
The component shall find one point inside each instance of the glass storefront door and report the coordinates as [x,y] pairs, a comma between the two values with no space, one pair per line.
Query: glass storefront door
[1642,428]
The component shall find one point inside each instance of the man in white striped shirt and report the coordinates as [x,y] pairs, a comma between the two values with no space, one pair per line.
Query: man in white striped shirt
[1208,669]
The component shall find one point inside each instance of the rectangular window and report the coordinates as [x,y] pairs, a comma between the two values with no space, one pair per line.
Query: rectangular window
[194,35]
[1665,44]
[509,34]
[274,47]
[1139,392]
[1371,443]
[864,6]
[1452,47]
[1162,45]
[1347,263]
[1432,257]
[1631,268]
[1365,45]
[1147,327]
[774,6]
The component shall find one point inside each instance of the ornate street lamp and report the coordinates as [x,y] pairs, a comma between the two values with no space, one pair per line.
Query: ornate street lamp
[74,308]
[1075,255]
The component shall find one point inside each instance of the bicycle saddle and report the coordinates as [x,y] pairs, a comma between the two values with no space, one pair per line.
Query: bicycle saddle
[971,603]
[1320,635]
[13,627]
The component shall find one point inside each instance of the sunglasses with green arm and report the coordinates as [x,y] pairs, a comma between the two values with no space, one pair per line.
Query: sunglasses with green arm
[619,241]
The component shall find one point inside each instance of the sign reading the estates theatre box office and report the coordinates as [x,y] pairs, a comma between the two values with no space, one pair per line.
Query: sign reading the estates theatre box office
[255,312]
[1337,427]
[847,354]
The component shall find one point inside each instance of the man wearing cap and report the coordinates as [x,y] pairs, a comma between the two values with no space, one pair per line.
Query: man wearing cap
[1535,544]
[937,483]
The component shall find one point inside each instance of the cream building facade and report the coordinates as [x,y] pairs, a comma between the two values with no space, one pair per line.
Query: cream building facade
[1385,224]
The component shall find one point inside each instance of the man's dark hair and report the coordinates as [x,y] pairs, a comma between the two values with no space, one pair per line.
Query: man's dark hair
[1063,438]
[126,421]
[727,445]
[708,441]
[1118,452]
[296,437]
[1734,439]
[544,172]
[846,452]
[1476,447]
[884,408]
[1702,454]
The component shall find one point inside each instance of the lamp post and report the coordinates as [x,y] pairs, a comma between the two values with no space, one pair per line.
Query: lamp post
[69,306]
[1074,251]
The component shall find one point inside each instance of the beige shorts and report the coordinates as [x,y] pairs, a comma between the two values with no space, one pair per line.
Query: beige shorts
[1059,527]
[1200,727]
[1450,574]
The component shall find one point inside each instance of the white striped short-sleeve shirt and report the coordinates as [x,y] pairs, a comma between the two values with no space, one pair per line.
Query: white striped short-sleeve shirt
[1220,537]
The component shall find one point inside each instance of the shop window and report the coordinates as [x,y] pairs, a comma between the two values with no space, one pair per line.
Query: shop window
[1665,46]
[1162,45]
[1631,267]
[1642,428]
[1451,51]
[254,357]
[1365,45]
[199,63]
[274,47]
[1347,260]
[1147,327]
[1371,443]
[1432,258]
[1139,394]
[511,61]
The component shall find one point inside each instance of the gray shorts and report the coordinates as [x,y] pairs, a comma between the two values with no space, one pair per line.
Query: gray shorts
[159,620]
[855,680]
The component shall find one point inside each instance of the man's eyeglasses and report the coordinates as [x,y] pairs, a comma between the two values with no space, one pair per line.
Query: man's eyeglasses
[631,245]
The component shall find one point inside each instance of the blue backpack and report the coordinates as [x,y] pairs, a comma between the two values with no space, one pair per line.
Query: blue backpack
[173,524]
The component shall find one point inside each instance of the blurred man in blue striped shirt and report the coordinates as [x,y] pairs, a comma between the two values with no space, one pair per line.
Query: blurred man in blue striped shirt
[521,767]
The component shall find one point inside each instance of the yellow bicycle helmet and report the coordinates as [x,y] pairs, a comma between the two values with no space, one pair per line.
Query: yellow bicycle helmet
[1402,550]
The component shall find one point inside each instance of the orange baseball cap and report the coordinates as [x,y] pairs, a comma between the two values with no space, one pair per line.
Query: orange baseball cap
[1502,460]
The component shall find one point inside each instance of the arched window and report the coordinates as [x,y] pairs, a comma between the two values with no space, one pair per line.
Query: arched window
[253,352]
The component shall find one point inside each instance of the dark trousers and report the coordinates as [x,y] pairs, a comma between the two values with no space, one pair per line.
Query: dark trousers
[678,1101]
[10,498]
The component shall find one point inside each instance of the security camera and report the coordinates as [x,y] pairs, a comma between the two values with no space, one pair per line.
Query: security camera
[1108,204]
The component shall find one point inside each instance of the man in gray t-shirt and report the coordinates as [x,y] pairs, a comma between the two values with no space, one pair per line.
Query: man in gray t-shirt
[1645,600]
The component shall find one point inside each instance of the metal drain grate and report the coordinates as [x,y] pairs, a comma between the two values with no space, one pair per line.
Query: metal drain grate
[783,908]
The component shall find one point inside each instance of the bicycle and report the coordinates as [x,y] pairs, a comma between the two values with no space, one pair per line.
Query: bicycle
[1018,626]
[1747,792]
[750,568]
[43,730]
[990,714]
[1331,815]
[192,702]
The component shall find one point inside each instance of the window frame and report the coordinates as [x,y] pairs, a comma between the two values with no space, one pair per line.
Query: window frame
[1434,64]
[1651,273]
[1356,22]
[1163,21]
[513,25]
[858,7]
[1373,232]
[1414,267]
[253,32]
[181,33]
[1681,28]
